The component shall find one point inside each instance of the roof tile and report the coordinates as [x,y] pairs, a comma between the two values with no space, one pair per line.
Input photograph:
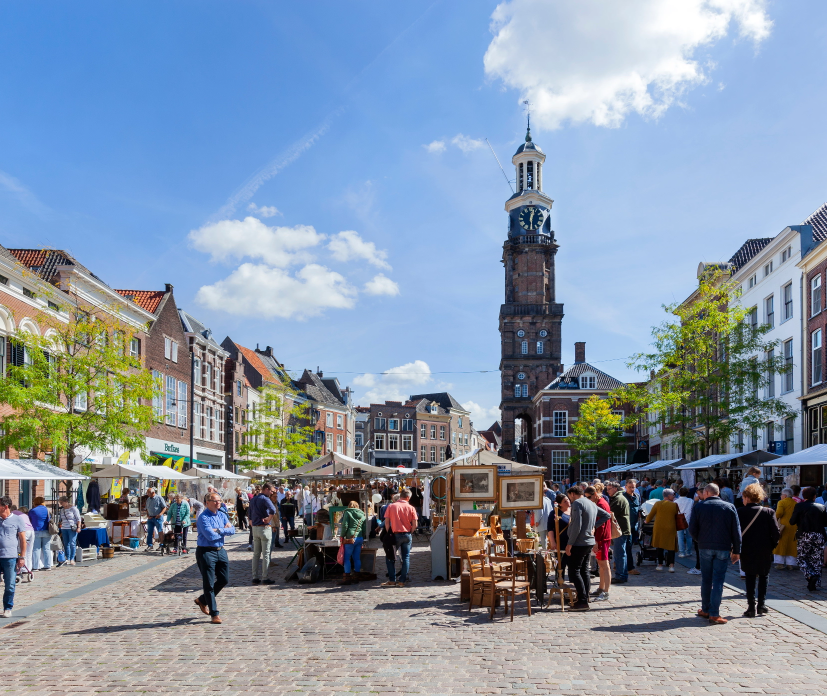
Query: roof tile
[149,300]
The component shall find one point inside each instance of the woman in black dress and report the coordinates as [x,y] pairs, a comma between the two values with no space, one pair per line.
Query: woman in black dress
[759,536]
[810,518]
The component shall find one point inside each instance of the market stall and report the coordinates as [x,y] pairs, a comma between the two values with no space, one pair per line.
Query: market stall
[804,468]
[664,470]
[730,466]
[37,470]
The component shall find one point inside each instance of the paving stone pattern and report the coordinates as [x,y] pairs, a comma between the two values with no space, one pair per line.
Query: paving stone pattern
[144,634]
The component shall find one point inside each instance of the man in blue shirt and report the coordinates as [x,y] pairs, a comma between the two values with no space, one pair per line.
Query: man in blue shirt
[261,509]
[213,525]
[156,506]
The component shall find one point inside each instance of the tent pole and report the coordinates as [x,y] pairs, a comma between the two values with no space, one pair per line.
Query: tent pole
[449,519]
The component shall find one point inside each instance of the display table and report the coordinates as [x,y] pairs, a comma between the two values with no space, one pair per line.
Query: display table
[126,528]
[95,536]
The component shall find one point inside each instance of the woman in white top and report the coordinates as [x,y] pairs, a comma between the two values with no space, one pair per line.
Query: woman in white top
[685,504]
[69,527]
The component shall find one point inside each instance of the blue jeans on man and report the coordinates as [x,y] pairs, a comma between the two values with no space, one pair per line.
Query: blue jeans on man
[403,541]
[619,553]
[684,542]
[153,525]
[713,573]
[42,550]
[8,568]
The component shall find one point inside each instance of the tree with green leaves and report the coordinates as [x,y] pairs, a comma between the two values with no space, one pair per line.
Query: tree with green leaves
[279,437]
[76,388]
[598,430]
[712,370]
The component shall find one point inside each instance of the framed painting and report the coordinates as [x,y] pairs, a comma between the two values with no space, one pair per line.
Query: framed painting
[475,483]
[521,492]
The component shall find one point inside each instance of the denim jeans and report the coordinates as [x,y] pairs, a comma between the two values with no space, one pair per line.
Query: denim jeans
[353,552]
[8,567]
[619,553]
[70,546]
[684,542]
[42,552]
[262,540]
[404,542]
[628,540]
[154,525]
[713,572]
[288,522]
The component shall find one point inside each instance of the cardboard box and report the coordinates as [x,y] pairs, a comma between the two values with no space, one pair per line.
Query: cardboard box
[470,521]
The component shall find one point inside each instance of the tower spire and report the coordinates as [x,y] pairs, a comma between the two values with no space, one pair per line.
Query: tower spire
[528,121]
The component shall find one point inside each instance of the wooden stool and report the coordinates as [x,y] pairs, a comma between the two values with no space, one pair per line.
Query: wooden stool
[567,591]
[120,524]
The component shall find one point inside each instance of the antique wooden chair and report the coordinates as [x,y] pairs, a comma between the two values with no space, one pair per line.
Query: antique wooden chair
[505,584]
[480,581]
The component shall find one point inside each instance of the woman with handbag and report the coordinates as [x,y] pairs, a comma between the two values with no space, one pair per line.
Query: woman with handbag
[685,504]
[603,542]
[786,553]
[353,519]
[665,532]
[69,528]
[811,519]
[759,535]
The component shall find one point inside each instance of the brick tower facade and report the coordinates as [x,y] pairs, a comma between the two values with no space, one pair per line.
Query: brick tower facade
[530,319]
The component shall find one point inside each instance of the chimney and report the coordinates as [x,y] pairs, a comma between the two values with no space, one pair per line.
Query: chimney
[580,352]
[168,287]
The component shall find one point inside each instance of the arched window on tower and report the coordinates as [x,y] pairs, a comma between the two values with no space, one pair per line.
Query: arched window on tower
[524,348]
[520,176]
[517,391]
[529,179]
[539,186]
[525,390]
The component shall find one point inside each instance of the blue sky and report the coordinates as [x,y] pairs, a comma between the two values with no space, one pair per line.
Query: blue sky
[226,146]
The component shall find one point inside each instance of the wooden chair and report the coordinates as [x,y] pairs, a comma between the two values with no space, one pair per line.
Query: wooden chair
[480,582]
[505,584]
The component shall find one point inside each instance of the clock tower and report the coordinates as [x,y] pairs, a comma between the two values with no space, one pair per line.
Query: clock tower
[530,319]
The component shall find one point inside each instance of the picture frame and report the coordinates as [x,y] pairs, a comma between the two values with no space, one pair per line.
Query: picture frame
[523,492]
[475,483]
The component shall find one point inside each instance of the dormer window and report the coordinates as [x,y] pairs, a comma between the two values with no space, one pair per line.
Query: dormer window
[588,381]
[434,408]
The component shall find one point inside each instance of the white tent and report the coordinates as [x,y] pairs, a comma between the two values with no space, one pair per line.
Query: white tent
[755,457]
[339,464]
[481,457]
[35,470]
[164,473]
[214,473]
[817,454]
[258,473]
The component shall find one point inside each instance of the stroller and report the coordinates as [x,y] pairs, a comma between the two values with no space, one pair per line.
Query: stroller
[26,573]
[168,543]
[647,551]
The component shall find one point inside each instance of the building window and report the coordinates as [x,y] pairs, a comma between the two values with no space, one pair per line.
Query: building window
[787,294]
[753,438]
[379,423]
[158,399]
[525,391]
[466,439]
[524,347]
[588,465]
[767,269]
[393,424]
[217,379]
[434,408]
[407,425]
[560,421]
[379,441]
[441,432]
[752,281]
[433,455]
[170,349]
[441,455]
[423,454]
[459,420]
[518,390]
[786,254]
[206,374]
[340,443]
[172,407]
[423,431]
[588,382]
[393,442]
[770,388]
[81,402]
[28,293]
[789,434]
[433,432]
[359,439]
[769,311]
[329,442]
[817,357]
[219,423]
[210,424]
[539,347]
[788,365]
[815,295]
[560,465]
[182,404]
[407,443]
[134,347]
[339,421]
[328,421]
[238,387]
[769,434]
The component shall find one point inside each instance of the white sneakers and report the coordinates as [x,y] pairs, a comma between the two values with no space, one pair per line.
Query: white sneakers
[7,614]
[671,569]
[693,571]
[660,567]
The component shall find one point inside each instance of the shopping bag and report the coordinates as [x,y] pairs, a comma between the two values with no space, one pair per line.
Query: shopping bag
[340,557]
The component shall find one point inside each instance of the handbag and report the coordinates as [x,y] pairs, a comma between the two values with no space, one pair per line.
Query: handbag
[680,522]
[746,529]
[616,530]
[340,557]
[54,529]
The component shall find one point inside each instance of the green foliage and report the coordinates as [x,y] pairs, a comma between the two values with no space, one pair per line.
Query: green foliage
[712,365]
[597,430]
[76,386]
[278,436]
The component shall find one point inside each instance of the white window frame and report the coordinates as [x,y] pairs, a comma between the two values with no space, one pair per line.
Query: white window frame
[525,391]
[340,443]
[423,431]
[560,424]
[815,295]
[518,390]
[379,441]
[171,396]
[524,347]
[787,301]
[769,311]
[752,282]
[158,399]
[393,424]
[339,421]
[817,357]
[788,382]
[540,347]
[360,439]
[560,465]
[183,401]
[393,443]
[407,443]
[588,381]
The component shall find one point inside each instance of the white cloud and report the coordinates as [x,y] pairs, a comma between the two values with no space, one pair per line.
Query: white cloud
[24,196]
[482,417]
[255,290]
[600,60]
[466,144]
[348,245]
[265,211]
[395,384]
[250,237]
[381,285]
[435,146]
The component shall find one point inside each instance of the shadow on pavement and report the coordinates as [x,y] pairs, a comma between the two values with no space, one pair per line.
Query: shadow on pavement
[665,625]
[130,627]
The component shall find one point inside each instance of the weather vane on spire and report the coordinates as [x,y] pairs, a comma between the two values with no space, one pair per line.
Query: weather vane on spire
[528,120]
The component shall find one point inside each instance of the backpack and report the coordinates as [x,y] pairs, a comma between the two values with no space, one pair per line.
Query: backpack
[309,571]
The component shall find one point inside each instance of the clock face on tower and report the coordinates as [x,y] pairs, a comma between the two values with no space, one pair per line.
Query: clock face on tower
[531,218]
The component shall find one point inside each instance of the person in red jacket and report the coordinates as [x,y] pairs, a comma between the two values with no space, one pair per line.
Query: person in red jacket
[400,521]
[603,542]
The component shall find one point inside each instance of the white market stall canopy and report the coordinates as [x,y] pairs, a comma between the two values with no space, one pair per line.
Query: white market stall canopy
[657,466]
[35,470]
[817,454]
[164,473]
[197,472]
[257,473]
[481,457]
[339,464]
[755,457]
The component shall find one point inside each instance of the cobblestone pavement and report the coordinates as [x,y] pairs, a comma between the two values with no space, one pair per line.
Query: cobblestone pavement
[144,634]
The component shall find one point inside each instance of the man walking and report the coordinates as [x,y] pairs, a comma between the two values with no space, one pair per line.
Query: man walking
[401,518]
[213,525]
[584,514]
[12,551]
[632,496]
[155,508]
[261,510]
[657,492]
[714,525]
[620,509]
